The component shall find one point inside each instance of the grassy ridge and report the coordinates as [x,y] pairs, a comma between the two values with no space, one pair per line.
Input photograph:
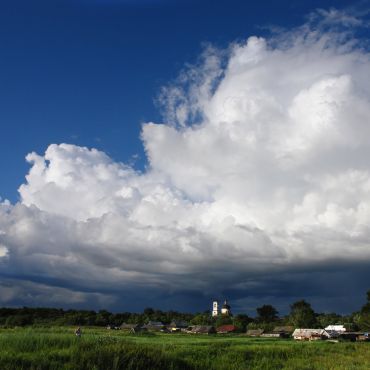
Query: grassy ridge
[98,349]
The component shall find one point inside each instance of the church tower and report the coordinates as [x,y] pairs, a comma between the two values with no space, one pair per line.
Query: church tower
[226,309]
[215,309]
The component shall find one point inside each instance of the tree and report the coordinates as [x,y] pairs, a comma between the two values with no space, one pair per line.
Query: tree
[18,320]
[302,315]
[325,319]
[202,319]
[223,320]
[366,307]
[266,313]
[102,318]
[363,319]
[241,321]
[266,326]
[148,311]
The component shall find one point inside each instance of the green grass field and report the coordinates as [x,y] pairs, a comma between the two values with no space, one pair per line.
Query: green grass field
[58,348]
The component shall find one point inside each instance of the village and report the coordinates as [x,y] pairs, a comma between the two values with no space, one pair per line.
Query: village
[334,332]
[217,338]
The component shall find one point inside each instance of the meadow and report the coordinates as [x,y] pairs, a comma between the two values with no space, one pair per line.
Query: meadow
[98,349]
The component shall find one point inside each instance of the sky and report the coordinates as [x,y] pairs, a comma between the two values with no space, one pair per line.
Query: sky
[168,153]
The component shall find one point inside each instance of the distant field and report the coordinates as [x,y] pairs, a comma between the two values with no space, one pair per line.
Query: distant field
[98,349]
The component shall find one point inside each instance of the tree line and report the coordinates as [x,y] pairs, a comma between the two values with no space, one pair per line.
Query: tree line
[267,317]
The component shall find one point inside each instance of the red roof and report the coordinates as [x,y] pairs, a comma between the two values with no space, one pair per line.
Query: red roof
[226,328]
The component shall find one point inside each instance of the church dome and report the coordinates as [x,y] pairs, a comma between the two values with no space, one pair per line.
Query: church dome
[226,306]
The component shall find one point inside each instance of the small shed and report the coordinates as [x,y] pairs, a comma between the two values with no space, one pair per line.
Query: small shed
[254,332]
[225,329]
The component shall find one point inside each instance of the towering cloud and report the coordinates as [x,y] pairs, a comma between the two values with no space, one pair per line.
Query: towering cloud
[259,177]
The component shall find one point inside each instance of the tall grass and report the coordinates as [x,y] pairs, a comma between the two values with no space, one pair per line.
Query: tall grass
[98,349]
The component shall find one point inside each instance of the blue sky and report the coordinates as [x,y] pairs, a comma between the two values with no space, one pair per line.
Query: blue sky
[182,151]
[88,72]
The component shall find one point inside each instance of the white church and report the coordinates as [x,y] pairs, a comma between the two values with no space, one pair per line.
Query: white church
[225,309]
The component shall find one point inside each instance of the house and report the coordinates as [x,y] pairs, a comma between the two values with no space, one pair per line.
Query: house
[154,326]
[225,329]
[279,332]
[177,326]
[285,330]
[335,330]
[273,335]
[202,329]
[310,334]
[165,330]
[365,337]
[352,336]
[113,327]
[254,332]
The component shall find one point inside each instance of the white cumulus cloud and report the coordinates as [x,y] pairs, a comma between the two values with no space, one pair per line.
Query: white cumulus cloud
[261,166]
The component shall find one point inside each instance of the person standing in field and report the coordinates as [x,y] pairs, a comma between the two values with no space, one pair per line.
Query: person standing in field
[78,332]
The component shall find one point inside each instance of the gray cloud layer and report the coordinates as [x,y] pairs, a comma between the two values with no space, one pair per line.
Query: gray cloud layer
[258,187]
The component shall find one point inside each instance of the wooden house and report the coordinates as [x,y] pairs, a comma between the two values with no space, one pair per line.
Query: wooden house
[365,337]
[310,334]
[154,326]
[273,335]
[112,327]
[352,336]
[285,330]
[279,332]
[177,326]
[254,332]
[202,329]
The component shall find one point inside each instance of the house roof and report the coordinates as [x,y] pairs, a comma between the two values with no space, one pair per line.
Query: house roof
[178,324]
[255,331]
[226,328]
[283,329]
[202,329]
[155,323]
[335,328]
[309,332]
